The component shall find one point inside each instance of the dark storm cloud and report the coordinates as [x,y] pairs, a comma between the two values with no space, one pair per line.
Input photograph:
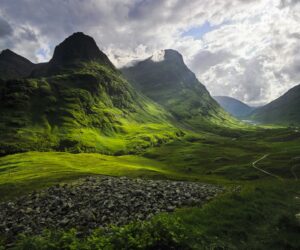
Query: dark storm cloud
[5,28]
[145,7]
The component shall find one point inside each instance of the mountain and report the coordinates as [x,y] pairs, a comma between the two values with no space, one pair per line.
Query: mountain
[71,53]
[166,79]
[284,110]
[233,106]
[13,66]
[79,101]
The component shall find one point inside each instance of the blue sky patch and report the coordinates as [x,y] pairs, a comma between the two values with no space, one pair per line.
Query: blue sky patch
[199,31]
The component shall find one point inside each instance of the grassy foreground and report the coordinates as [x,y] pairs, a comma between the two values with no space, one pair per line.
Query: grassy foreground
[261,216]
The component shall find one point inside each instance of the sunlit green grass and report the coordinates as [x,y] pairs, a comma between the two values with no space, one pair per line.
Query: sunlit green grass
[231,157]
[90,109]
[199,157]
[232,221]
[25,172]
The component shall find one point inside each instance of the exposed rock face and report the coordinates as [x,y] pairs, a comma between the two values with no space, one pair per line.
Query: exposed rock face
[98,201]
[78,47]
[14,66]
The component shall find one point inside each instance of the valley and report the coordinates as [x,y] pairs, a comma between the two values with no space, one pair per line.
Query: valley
[93,157]
[205,158]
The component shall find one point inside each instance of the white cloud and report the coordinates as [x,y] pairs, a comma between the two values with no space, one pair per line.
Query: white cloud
[252,54]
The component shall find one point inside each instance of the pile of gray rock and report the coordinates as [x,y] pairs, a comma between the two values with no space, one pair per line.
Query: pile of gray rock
[98,201]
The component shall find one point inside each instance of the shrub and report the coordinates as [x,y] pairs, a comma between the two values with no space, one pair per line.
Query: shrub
[161,232]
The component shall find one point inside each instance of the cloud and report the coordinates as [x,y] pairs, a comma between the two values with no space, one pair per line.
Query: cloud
[251,53]
[286,3]
[5,28]
[205,59]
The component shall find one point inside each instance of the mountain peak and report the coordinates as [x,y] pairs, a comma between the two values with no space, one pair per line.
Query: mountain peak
[7,52]
[13,65]
[8,55]
[172,53]
[167,55]
[78,47]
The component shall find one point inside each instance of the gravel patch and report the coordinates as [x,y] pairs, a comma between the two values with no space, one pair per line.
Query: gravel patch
[98,201]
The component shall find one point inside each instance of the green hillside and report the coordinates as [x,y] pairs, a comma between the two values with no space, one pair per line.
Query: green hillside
[284,110]
[79,105]
[169,82]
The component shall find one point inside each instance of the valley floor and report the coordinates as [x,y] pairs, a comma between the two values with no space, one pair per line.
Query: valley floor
[258,210]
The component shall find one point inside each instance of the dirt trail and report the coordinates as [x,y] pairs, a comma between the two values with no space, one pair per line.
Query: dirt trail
[293,172]
[264,171]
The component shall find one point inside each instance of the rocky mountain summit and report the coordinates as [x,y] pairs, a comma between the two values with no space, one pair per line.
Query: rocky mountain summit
[14,66]
[71,53]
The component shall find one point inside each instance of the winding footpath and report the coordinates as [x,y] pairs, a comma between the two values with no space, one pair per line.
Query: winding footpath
[262,170]
[293,172]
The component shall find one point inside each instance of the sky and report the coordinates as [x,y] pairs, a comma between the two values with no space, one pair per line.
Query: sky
[246,49]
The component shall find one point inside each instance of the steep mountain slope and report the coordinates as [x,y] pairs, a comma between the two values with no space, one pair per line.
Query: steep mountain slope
[70,54]
[234,106]
[13,66]
[167,80]
[284,110]
[79,102]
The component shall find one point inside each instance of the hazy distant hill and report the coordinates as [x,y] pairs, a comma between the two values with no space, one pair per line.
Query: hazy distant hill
[234,106]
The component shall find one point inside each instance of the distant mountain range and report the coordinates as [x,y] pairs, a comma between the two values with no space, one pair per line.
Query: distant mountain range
[234,106]
[285,110]
[166,79]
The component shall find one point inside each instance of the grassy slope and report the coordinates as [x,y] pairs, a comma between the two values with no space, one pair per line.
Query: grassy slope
[24,172]
[284,110]
[89,108]
[205,157]
[231,157]
[171,84]
[262,216]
